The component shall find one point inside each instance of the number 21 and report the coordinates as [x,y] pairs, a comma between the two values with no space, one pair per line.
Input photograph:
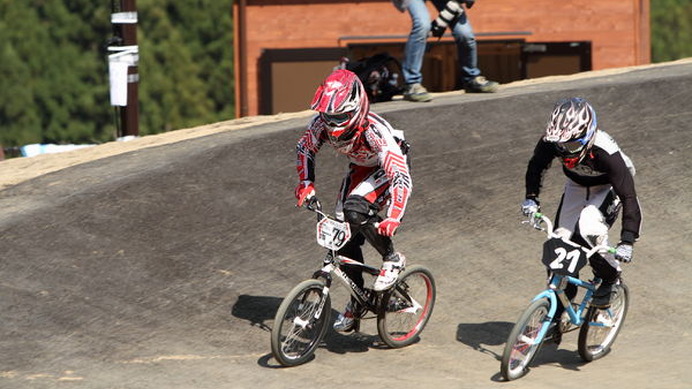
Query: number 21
[572,256]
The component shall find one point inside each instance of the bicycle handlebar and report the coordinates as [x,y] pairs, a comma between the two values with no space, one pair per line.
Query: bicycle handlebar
[537,218]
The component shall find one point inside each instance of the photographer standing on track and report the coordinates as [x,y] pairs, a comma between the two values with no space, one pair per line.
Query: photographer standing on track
[600,181]
[378,174]
[452,15]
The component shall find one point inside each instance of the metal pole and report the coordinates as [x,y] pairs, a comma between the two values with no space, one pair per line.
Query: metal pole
[129,115]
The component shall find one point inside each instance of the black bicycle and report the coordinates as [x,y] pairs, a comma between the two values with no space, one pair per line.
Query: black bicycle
[304,316]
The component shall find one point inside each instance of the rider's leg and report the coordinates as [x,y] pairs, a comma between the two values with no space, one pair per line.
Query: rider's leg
[346,319]
[555,334]
[364,192]
[353,250]
[593,229]
[571,203]
[361,215]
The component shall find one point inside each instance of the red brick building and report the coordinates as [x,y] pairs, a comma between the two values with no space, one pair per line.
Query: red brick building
[284,48]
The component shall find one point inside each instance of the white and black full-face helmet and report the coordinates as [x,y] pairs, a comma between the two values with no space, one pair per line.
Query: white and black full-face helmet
[572,126]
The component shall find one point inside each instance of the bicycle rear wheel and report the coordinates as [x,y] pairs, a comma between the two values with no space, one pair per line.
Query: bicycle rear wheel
[523,343]
[602,326]
[300,323]
[406,307]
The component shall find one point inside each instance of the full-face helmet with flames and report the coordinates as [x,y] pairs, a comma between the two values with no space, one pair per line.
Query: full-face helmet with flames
[572,127]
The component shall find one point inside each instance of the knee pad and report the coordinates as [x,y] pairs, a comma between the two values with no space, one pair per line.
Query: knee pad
[355,218]
[357,210]
[592,226]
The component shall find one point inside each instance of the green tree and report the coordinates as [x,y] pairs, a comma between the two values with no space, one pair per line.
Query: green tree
[55,73]
[671,30]
[55,88]
[185,63]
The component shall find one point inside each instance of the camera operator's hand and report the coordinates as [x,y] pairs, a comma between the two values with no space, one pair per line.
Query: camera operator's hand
[437,30]
[447,18]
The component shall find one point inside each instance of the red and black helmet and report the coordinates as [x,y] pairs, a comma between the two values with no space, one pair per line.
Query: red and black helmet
[343,106]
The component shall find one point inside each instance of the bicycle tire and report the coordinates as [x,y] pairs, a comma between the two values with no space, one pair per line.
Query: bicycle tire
[300,324]
[521,347]
[602,326]
[406,307]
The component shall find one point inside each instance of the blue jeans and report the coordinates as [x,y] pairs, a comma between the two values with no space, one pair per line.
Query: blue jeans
[467,52]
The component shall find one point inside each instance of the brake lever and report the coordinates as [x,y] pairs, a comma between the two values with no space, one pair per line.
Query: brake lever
[535,223]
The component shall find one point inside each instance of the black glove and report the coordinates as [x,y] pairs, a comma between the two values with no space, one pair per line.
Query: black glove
[437,30]
[469,3]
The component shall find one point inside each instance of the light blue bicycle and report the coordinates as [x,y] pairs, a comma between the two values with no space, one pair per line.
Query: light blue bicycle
[598,328]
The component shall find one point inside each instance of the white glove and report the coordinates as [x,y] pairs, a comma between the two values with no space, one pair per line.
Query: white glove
[623,252]
[529,207]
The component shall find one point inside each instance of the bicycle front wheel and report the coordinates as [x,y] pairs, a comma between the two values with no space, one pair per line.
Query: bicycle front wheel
[300,323]
[406,307]
[523,342]
[602,326]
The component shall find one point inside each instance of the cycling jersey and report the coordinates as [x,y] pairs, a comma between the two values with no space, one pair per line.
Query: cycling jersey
[605,164]
[375,147]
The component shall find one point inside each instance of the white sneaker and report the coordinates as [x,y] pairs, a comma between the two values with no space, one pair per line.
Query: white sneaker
[389,272]
[344,322]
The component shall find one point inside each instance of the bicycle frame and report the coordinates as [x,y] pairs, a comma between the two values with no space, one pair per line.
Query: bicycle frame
[333,241]
[556,294]
[558,282]
[333,266]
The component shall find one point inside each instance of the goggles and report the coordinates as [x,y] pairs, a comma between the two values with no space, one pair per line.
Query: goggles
[571,146]
[336,119]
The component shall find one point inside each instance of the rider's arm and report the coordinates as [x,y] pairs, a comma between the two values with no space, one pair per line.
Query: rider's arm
[393,162]
[623,184]
[308,145]
[543,155]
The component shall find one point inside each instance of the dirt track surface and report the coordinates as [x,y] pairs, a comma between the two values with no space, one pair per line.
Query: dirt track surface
[162,265]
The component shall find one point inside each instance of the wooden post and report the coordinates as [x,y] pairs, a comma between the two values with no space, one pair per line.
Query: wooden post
[127,28]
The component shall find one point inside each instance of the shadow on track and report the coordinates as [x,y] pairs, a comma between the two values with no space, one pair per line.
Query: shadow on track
[258,310]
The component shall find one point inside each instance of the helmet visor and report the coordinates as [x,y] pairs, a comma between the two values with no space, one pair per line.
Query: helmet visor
[336,119]
[571,147]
